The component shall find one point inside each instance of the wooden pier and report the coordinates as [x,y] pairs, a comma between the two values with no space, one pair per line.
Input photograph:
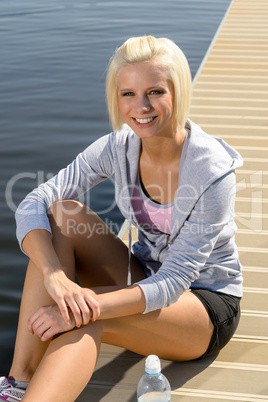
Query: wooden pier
[230,100]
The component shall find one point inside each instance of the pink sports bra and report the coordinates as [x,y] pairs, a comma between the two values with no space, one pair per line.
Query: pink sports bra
[152,216]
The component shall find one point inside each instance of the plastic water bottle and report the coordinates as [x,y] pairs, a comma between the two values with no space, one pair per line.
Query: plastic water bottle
[153,385]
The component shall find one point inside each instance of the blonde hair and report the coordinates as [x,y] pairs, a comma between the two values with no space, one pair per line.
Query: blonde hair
[163,51]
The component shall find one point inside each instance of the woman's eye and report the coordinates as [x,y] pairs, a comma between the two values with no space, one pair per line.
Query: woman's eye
[128,93]
[156,92]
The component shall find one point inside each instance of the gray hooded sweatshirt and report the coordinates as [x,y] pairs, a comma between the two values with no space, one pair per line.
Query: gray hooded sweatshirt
[200,252]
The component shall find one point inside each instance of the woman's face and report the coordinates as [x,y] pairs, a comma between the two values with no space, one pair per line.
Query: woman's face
[146,99]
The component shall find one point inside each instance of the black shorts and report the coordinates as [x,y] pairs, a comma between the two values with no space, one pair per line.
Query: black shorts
[224,312]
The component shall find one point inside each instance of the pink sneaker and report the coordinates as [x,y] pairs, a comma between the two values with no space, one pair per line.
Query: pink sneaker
[8,392]
[4,383]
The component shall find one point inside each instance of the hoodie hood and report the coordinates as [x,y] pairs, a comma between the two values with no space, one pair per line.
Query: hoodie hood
[207,159]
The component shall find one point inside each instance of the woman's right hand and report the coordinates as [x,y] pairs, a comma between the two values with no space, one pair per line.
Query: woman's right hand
[67,294]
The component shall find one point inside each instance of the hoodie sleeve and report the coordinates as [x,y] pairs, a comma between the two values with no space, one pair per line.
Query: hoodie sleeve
[90,167]
[209,225]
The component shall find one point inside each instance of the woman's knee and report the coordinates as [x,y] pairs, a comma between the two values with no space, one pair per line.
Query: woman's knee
[70,218]
[61,211]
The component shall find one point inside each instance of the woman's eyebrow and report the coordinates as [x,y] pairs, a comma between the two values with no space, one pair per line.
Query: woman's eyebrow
[157,85]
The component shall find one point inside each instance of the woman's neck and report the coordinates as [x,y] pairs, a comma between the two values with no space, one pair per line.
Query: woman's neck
[163,150]
[159,166]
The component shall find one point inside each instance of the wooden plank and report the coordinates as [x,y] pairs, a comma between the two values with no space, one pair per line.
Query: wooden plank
[252,176]
[229,110]
[207,376]
[253,277]
[253,204]
[255,299]
[229,100]
[258,240]
[254,222]
[253,256]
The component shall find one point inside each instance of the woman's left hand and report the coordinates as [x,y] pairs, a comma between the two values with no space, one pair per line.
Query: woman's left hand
[48,321]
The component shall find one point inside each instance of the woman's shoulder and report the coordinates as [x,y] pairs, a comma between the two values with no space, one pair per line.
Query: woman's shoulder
[211,149]
[124,135]
[118,138]
[112,140]
[207,159]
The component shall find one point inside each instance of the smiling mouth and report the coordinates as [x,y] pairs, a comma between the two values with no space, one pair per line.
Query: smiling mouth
[145,121]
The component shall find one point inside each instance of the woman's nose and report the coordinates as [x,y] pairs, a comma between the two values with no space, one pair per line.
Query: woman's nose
[143,103]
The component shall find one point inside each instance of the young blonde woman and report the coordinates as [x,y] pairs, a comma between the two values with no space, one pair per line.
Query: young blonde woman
[177,295]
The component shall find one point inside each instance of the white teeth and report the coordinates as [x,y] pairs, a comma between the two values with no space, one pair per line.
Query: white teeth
[143,121]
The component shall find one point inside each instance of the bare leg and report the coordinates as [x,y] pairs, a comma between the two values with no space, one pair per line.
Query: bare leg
[67,366]
[179,332]
[99,258]
[29,349]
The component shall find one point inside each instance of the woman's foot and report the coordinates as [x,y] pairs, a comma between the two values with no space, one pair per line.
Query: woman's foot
[4,384]
[8,392]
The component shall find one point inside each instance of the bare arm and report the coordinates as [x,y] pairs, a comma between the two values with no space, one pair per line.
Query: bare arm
[38,246]
[122,302]
[48,321]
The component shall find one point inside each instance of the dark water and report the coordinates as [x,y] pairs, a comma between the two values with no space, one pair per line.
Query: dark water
[53,57]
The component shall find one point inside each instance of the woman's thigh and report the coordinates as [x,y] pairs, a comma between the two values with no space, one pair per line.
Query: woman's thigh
[99,256]
[179,332]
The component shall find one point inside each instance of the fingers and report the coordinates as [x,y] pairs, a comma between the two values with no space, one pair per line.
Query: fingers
[94,306]
[31,322]
[75,306]
[83,307]
[79,309]
[47,322]
[40,324]
[63,309]
[47,334]
[69,295]
[44,333]
[85,311]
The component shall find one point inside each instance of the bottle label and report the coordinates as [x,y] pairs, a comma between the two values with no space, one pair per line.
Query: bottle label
[155,397]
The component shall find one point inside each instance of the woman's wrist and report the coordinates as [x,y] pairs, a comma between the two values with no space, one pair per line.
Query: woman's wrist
[39,248]
[50,269]
[123,302]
